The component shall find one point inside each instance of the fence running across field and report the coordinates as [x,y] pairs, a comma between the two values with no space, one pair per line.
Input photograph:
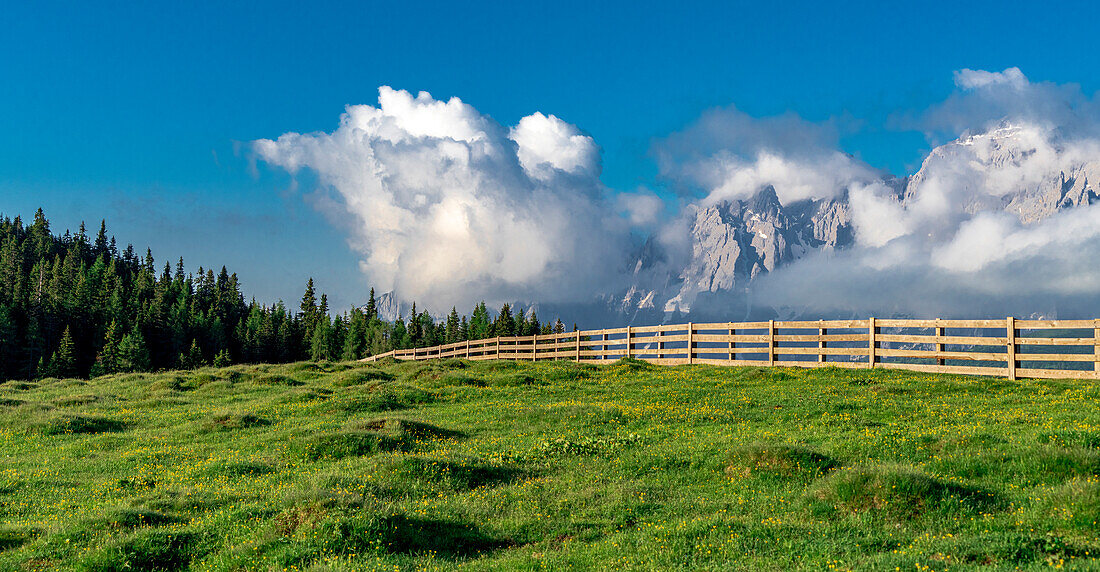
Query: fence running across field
[1009,347]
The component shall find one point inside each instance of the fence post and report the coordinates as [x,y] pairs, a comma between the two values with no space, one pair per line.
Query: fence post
[821,343]
[872,345]
[629,335]
[771,343]
[1096,348]
[691,345]
[1010,359]
[467,349]
[535,347]
[498,347]
[940,348]
[577,338]
[732,343]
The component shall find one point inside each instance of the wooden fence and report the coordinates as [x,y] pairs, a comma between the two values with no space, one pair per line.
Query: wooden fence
[1010,347]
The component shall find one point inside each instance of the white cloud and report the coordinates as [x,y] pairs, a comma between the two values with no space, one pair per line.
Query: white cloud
[729,155]
[448,207]
[642,208]
[976,79]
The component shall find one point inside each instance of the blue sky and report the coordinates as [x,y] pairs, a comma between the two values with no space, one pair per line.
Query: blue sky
[142,115]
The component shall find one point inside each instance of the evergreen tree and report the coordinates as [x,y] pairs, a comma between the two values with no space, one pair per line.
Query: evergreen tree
[505,324]
[133,353]
[309,308]
[107,361]
[355,340]
[463,330]
[372,306]
[481,326]
[533,326]
[192,358]
[63,362]
[320,347]
[222,359]
[559,328]
[520,323]
[452,326]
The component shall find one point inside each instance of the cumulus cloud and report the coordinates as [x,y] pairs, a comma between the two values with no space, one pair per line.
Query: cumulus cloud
[729,155]
[447,207]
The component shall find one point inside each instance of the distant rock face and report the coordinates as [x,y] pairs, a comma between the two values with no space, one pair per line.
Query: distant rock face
[734,242]
[1008,159]
[388,307]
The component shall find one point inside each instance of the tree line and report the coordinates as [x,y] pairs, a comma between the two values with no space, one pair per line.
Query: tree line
[75,306]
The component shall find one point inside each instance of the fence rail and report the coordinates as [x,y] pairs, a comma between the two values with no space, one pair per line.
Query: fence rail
[1009,347]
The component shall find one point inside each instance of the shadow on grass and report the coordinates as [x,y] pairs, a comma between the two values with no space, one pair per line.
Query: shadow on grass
[402,534]
[78,424]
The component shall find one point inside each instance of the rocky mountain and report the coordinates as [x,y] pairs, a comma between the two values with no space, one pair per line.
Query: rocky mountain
[731,243]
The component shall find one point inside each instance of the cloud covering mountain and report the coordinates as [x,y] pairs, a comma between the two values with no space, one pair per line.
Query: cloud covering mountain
[769,215]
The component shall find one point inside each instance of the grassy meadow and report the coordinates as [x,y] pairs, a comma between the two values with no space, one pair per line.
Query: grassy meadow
[502,465]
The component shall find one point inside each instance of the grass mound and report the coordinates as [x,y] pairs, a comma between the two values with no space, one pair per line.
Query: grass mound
[75,400]
[456,475]
[407,428]
[632,365]
[780,461]
[896,491]
[350,444]
[514,379]
[77,424]
[239,469]
[133,518]
[276,379]
[149,549]
[389,397]
[10,402]
[402,534]
[230,421]
[12,538]
[359,377]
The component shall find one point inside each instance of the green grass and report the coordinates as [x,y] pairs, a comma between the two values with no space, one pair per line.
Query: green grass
[500,465]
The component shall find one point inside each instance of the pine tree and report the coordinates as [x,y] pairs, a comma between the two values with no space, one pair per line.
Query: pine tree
[133,354]
[107,360]
[192,358]
[355,339]
[452,326]
[480,325]
[372,306]
[222,359]
[505,324]
[559,328]
[320,347]
[533,325]
[309,308]
[463,330]
[63,362]
[399,337]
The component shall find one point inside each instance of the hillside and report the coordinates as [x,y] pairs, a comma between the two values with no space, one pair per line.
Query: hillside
[503,465]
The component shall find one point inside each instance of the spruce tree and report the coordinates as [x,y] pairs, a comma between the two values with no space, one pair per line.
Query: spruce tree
[63,362]
[452,326]
[463,330]
[320,346]
[372,306]
[107,360]
[505,324]
[133,354]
